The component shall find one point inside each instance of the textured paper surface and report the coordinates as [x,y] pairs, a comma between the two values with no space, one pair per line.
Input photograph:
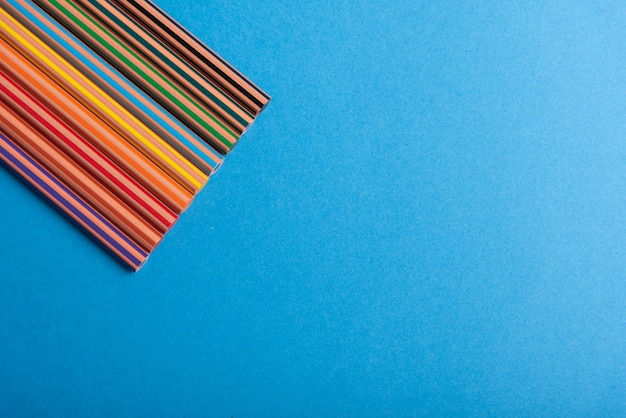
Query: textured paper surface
[426,220]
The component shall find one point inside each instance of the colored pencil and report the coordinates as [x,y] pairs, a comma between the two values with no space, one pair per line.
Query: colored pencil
[169,63]
[130,63]
[92,97]
[196,52]
[94,130]
[116,114]
[73,176]
[115,84]
[70,203]
[87,156]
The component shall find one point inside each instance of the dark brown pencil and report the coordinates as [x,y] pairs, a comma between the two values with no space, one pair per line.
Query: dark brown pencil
[195,51]
[131,64]
[179,71]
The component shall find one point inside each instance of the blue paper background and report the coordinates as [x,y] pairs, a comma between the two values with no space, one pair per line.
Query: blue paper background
[428,219]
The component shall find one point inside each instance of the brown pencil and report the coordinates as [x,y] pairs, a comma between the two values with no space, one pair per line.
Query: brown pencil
[195,51]
[132,65]
[169,63]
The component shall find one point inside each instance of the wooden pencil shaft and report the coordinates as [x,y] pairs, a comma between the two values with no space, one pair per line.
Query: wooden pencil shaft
[85,155]
[94,130]
[116,85]
[71,174]
[74,207]
[197,53]
[98,102]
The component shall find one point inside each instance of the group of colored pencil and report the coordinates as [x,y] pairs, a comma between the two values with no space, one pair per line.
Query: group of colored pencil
[116,114]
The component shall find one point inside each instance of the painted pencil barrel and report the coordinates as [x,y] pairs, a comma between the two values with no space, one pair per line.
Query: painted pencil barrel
[141,72]
[94,130]
[70,203]
[175,68]
[85,155]
[100,103]
[196,52]
[75,177]
[116,114]
[116,85]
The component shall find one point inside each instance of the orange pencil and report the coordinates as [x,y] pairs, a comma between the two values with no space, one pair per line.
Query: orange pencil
[71,174]
[86,155]
[94,130]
